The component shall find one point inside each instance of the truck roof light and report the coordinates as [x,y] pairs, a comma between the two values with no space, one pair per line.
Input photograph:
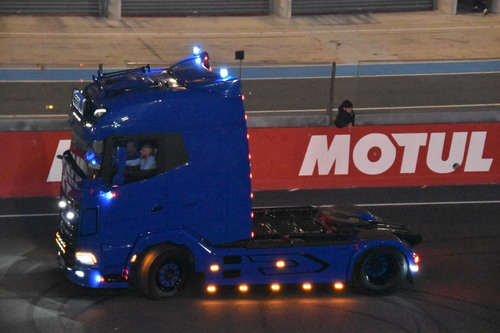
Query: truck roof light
[99,112]
[224,73]
[196,50]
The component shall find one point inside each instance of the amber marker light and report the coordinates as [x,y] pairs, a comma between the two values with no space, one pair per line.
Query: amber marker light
[275,287]
[243,288]
[280,264]
[338,286]
[214,268]
[306,286]
[49,107]
[134,258]
[211,289]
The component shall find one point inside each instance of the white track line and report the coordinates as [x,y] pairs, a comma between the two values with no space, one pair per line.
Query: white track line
[430,203]
[276,33]
[358,204]
[28,215]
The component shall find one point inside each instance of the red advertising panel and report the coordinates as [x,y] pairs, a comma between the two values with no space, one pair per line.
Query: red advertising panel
[303,158]
[28,159]
[402,155]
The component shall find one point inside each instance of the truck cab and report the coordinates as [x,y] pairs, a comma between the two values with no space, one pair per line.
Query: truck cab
[156,187]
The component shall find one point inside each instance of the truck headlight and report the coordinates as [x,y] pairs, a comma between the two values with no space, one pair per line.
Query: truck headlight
[70,215]
[86,258]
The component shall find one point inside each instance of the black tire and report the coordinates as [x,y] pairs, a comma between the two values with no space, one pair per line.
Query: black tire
[379,271]
[164,272]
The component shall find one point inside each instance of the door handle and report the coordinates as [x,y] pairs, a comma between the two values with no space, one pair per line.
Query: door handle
[156,208]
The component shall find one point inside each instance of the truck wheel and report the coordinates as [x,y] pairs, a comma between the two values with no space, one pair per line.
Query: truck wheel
[379,271]
[164,272]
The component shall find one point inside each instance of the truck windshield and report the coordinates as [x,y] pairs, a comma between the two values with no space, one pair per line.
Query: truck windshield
[87,155]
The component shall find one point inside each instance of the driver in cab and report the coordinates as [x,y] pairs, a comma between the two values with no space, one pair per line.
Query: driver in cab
[146,160]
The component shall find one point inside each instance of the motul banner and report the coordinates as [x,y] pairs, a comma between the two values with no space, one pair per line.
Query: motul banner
[403,155]
[303,158]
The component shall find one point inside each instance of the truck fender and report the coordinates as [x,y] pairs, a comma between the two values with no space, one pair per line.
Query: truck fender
[183,238]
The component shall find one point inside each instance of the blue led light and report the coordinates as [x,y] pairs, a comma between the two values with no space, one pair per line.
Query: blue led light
[90,156]
[108,195]
[196,50]
[224,73]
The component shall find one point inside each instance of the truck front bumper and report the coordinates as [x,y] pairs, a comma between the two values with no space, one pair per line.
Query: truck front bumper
[91,277]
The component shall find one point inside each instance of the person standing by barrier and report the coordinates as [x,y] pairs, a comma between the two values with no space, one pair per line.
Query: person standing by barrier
[346,116]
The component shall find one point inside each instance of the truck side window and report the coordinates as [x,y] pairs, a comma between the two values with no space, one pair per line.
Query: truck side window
[175,151]
[141,162]
[148,156]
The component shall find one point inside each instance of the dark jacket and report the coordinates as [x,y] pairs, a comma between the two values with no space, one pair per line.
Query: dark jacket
[344,118]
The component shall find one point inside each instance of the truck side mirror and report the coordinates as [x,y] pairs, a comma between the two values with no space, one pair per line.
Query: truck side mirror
[119,163]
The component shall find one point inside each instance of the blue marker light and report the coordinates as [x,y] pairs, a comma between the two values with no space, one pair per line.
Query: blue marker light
[90,155]
[196,50]
[224,73]
[108,195]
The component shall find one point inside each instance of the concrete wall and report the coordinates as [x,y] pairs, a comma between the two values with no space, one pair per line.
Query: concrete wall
[111,9]
[447,6]
[282,8]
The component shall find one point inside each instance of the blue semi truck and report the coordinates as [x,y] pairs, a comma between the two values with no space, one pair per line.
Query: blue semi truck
[156,193]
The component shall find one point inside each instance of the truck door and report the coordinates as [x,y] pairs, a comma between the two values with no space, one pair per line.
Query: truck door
[136,201]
